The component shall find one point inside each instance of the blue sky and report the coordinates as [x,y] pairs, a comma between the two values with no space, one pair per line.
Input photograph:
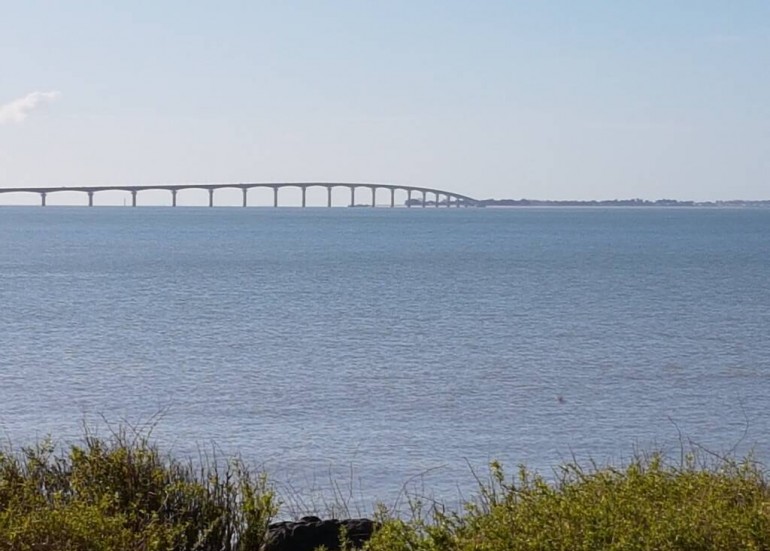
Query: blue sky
[550,100]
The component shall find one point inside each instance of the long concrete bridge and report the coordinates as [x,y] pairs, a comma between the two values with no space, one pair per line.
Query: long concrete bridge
[440,197]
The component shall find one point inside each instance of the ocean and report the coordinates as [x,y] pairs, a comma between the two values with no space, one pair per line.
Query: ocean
[368,351]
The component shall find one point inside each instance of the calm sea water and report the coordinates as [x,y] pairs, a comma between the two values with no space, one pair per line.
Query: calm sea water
[389,343]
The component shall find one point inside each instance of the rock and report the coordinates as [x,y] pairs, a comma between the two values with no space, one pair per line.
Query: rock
[311,532]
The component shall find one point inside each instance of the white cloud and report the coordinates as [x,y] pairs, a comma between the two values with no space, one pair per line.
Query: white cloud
[18,110]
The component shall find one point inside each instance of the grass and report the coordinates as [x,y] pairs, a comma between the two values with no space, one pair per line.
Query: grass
[121,494]
[720,504]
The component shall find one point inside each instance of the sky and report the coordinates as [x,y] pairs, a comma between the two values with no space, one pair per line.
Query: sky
[492,99]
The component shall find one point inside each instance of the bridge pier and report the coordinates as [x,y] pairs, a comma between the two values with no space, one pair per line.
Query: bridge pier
[173,197]
[392,197]
[408,198]
[211,197]
[437,199]
[90,198]
[42,199]
[329,196]
[352,196]
[275,196]
[374,197]
[424,199]
[304,196]
[133,197]
[245,196]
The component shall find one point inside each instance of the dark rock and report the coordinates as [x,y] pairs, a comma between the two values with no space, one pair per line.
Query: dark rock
[312,532]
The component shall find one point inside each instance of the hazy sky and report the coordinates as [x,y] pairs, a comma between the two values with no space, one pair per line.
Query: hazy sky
[556,100]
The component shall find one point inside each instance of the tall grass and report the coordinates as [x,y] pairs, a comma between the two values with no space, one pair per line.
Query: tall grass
[647,505]
[121,493]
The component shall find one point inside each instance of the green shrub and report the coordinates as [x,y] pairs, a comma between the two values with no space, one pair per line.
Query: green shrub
[645,506]
[122,494]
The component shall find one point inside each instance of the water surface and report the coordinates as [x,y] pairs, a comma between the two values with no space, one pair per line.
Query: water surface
[389,342]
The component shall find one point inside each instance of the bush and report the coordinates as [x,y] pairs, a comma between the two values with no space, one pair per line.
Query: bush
[123,494]
[644,506]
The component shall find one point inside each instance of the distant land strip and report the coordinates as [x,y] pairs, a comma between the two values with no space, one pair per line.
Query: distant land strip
[619,203]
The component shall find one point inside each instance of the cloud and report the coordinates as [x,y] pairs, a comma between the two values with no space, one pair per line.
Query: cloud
[19,109]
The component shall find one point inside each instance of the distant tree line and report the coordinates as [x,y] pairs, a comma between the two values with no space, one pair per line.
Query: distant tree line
[601,203]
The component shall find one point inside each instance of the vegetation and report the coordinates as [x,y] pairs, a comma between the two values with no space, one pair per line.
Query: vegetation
[648,505]
[121,493]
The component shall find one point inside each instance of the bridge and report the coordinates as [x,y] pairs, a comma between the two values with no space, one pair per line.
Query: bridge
[440,197]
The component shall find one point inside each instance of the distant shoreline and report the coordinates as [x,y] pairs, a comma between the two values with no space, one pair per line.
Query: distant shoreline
[610,203]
